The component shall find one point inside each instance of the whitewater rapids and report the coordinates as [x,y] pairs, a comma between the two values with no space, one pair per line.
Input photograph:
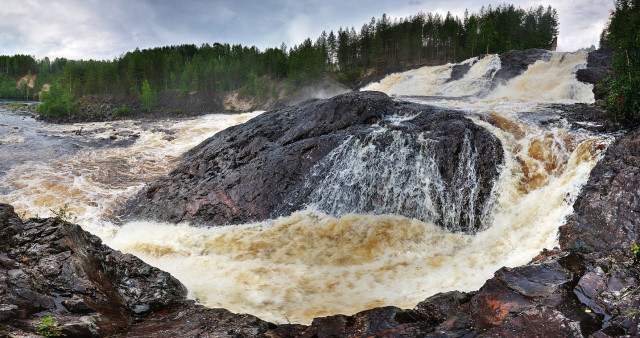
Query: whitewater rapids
[311,264]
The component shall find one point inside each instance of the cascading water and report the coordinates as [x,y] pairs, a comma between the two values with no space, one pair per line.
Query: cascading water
[348,252]
[395,172]
[436,81]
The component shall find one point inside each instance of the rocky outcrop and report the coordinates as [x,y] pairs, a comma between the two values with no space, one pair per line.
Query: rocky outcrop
[270,165]
[582,116]
[608,209]
[516,62]
[598,68]
[460,70]
[49,267]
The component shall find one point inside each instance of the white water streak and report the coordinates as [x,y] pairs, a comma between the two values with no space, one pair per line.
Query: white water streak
[371,177]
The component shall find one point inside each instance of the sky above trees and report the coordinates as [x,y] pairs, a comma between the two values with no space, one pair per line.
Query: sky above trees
[98,29]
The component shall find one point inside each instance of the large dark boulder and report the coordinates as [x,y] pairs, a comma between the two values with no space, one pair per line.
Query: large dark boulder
[50,266]
[598,68]
[516,62]
[607,212]
[275,163]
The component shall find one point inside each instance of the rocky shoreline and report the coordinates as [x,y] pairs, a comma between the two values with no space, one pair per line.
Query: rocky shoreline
[174,104]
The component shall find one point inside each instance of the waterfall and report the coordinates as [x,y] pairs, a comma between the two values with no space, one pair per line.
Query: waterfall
[437,81]
[550,80]
[396,172]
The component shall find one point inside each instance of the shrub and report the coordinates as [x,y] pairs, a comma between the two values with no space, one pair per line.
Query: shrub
[49,328]
[121,111]
[57,103]
[147,97]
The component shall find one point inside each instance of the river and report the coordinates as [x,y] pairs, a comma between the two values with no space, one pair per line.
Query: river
[324,259]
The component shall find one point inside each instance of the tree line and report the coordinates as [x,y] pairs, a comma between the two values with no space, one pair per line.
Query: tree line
[381,44]
[622,35]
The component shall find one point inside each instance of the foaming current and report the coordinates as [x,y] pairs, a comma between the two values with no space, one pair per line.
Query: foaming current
[98,165]
[310,263]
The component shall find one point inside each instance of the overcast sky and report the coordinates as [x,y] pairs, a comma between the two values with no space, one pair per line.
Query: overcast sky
[105,29]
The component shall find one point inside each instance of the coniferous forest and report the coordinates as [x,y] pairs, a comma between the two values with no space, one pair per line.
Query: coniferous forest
[622,35]
[349,54]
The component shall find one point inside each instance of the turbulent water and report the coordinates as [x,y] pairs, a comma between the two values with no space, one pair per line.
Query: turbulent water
[369,178]
[311,263]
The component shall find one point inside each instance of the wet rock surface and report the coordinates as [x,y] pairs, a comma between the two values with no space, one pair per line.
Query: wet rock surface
[580,116]
[598,68]
[53,268]
[262,169]
[516,62]
[608,209]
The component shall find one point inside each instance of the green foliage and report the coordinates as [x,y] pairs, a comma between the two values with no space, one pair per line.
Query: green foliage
[635,249]
[15,106]
[49,328]
[254,85]
[623,36]
[63,214]
[121,111]
[57,103]
[147,96]
[351,76]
